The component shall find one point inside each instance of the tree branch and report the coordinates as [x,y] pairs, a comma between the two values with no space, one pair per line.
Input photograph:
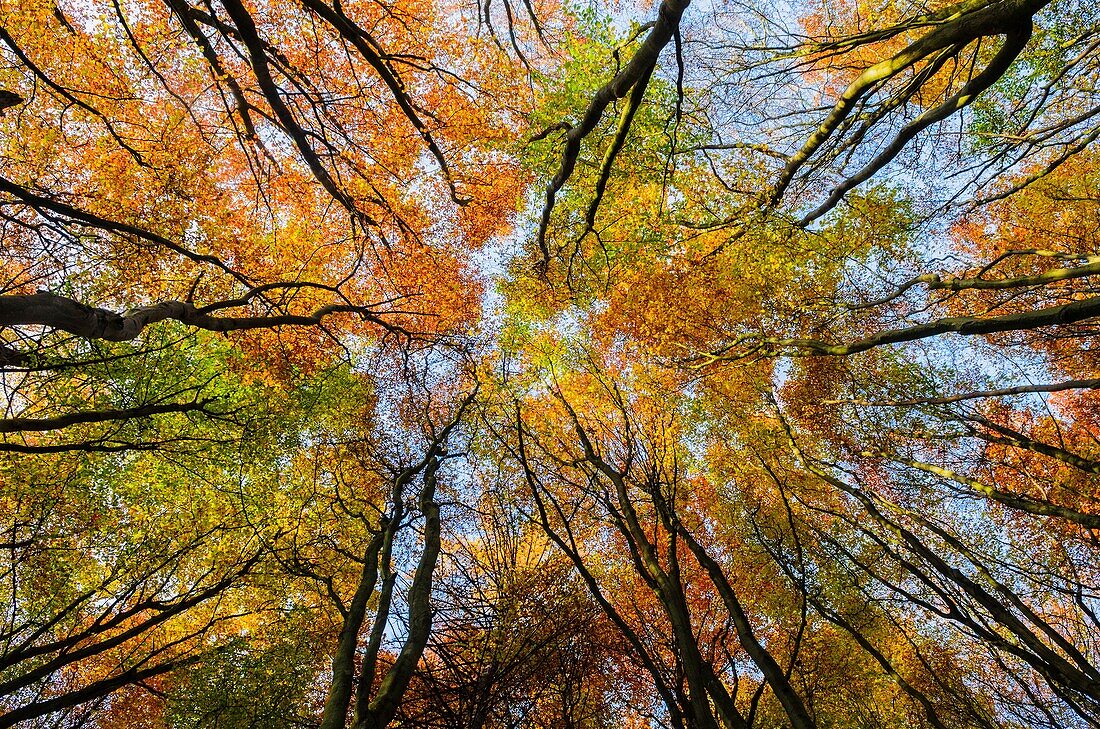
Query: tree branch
[59,312]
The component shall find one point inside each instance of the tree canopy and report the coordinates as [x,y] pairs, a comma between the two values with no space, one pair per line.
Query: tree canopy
[484,365]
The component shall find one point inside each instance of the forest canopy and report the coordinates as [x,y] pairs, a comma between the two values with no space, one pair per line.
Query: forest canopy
[493,364]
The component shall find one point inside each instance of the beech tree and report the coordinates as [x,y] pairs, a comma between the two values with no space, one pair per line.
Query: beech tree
[447,364]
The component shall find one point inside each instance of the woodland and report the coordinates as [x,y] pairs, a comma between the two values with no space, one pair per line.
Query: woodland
[500,364]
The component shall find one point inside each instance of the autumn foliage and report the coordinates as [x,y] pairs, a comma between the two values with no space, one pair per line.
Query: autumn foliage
[438,364]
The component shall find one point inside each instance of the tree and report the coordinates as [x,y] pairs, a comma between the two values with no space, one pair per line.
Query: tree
[518,643]
[496,364]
